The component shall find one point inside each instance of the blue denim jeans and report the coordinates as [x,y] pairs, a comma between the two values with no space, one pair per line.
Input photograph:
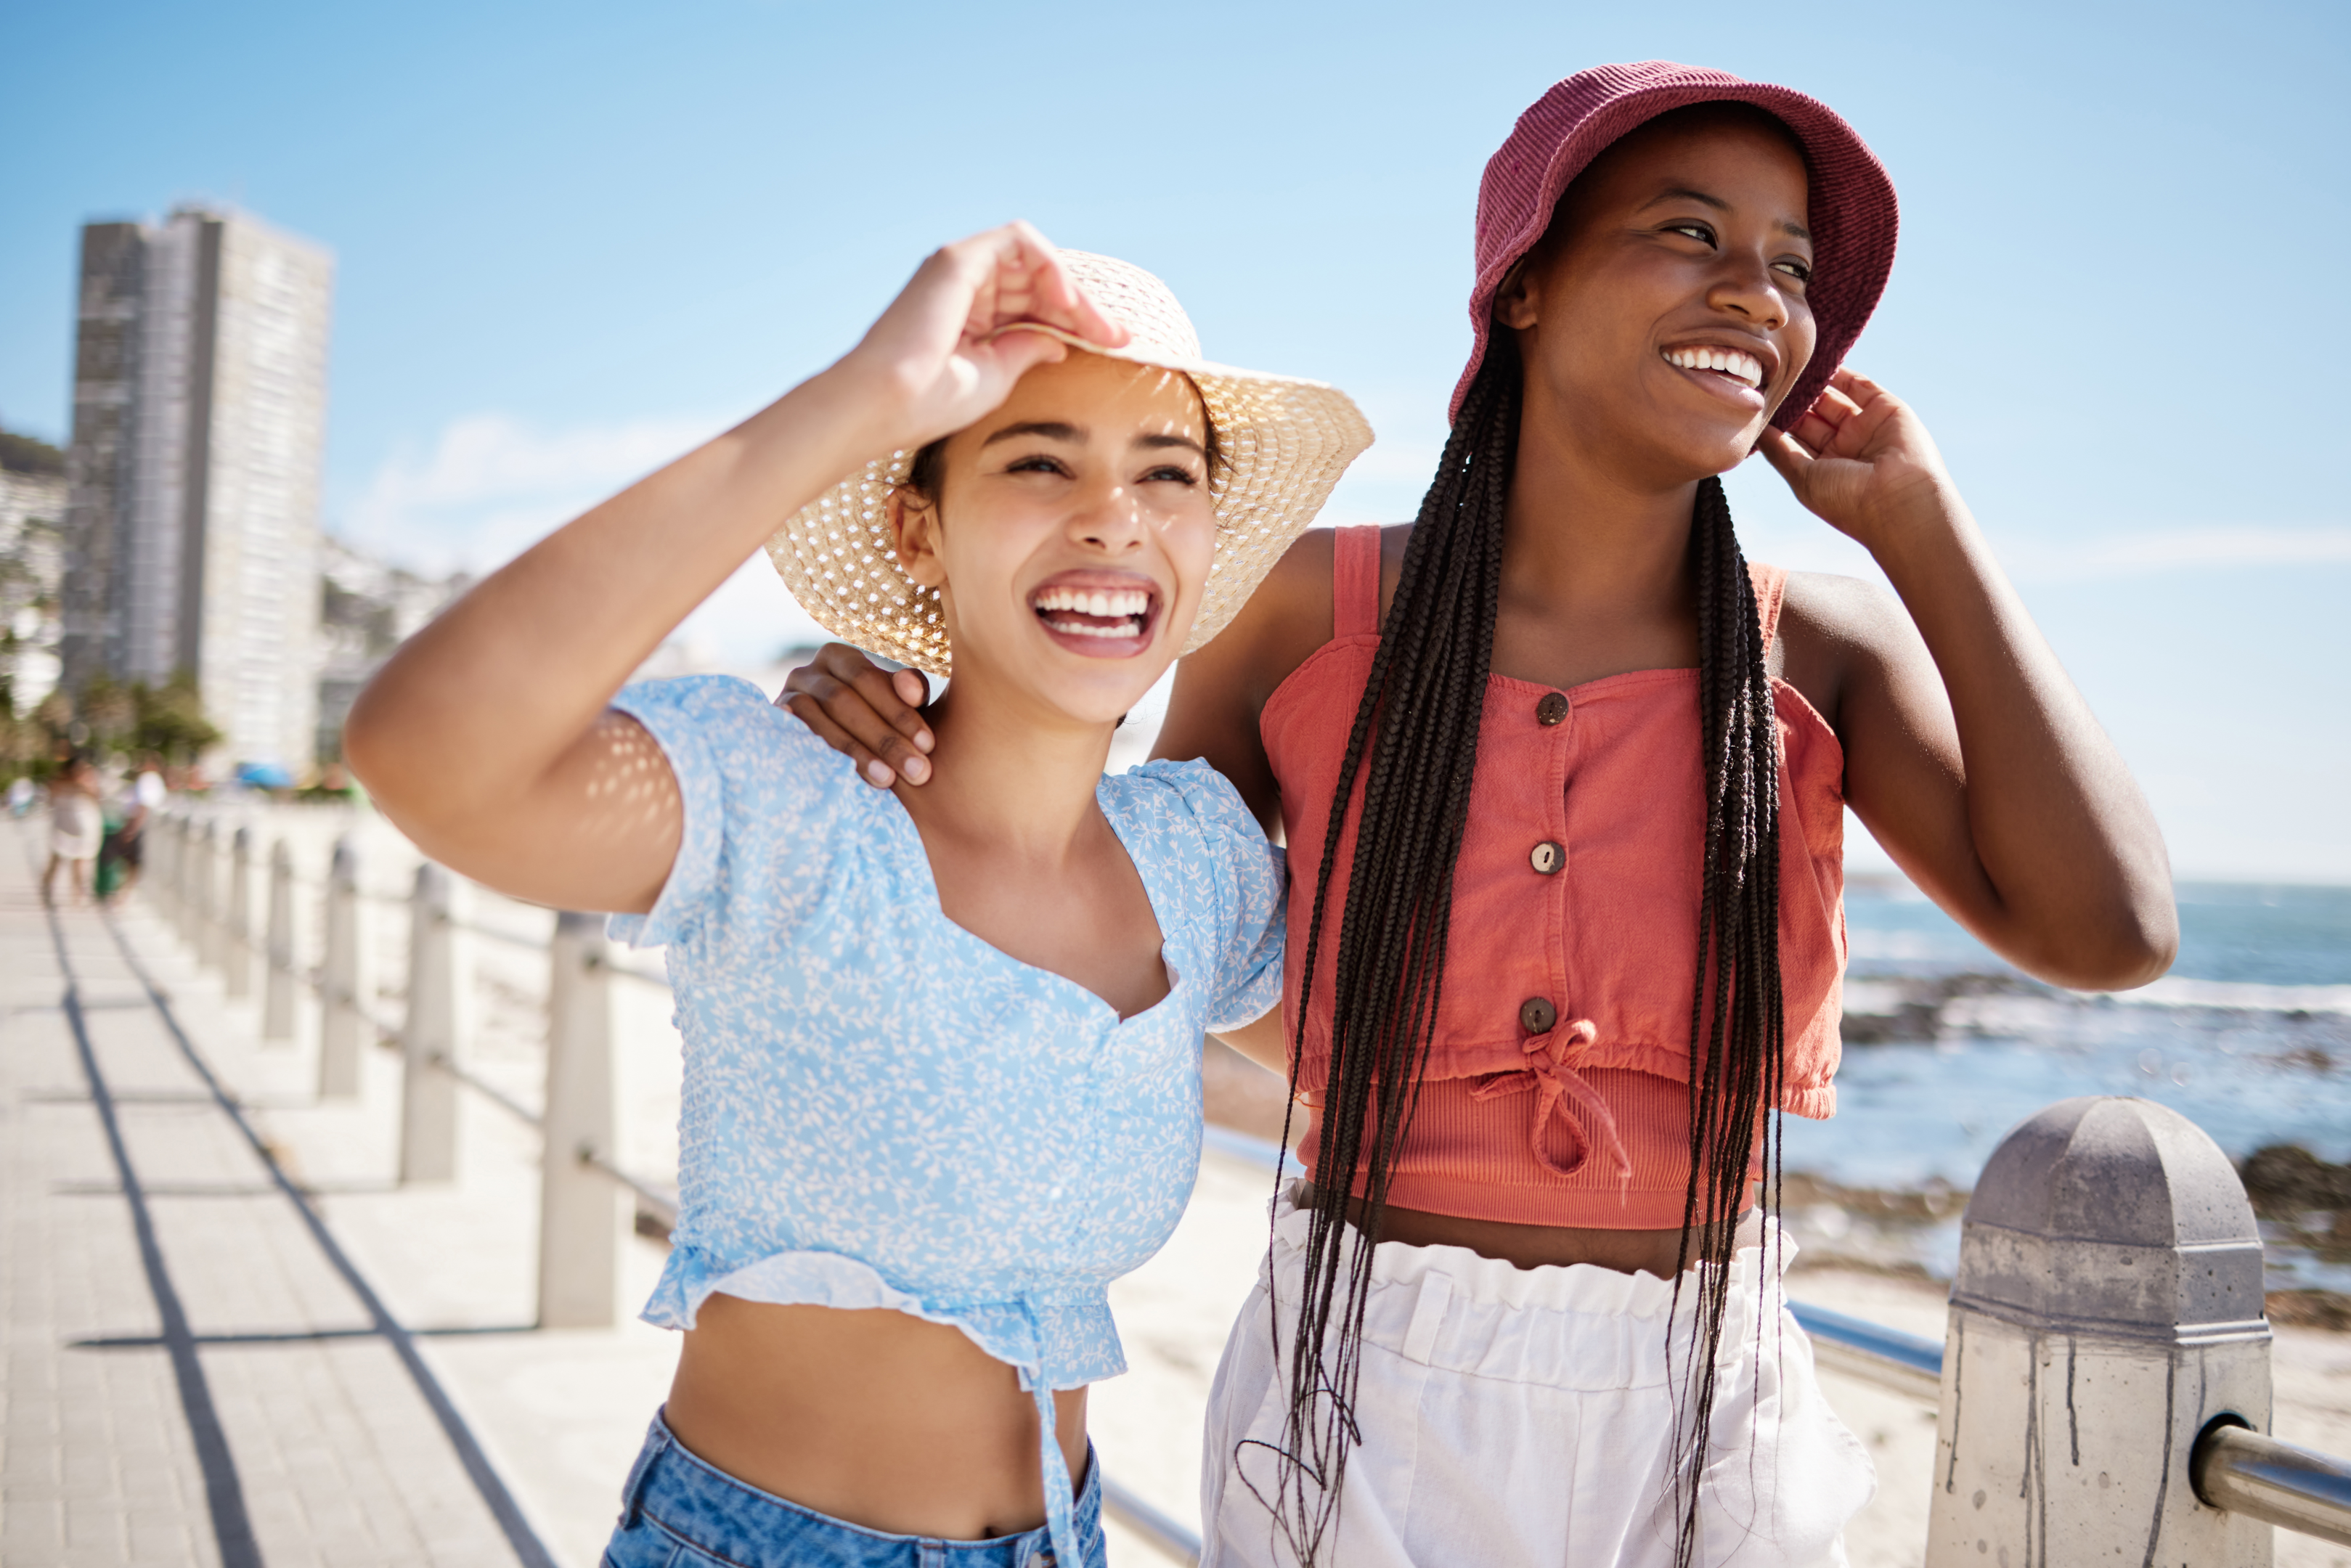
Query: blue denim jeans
[679,1513]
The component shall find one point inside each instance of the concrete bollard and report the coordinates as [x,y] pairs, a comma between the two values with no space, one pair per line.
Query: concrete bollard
[211,934]
[428,1095]
[582,1213]
[2108,1307]
[183,879]
[156,881]
[343,992]
[277,978]
[237,952]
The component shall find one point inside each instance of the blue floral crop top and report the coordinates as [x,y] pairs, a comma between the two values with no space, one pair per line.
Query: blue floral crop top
[882,1109]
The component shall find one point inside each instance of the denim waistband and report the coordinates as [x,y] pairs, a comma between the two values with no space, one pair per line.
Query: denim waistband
[711,1512]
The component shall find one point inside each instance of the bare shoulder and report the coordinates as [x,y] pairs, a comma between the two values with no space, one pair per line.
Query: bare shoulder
[1285,620]
[1828,608]
[1835,629]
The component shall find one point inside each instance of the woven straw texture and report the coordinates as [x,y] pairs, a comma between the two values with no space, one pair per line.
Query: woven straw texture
[1854,216]
[1285,443]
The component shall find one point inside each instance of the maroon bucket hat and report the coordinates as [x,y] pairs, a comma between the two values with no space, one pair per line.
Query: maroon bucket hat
[1852,214]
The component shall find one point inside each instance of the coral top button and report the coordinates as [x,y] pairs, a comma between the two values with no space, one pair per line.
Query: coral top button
[1536,1015]
[1551,708]
[1547,857]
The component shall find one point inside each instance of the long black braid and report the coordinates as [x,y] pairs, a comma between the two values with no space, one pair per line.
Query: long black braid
[1419,718]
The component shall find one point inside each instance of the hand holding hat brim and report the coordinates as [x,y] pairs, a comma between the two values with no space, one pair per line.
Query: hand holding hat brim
[977,316]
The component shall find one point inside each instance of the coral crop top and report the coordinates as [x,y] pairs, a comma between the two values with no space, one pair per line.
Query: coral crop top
[1557,1086]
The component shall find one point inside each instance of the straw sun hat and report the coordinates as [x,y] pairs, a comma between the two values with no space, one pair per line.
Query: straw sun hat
[1285,442]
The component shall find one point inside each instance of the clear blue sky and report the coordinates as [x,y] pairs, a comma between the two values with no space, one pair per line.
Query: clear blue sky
[573,238]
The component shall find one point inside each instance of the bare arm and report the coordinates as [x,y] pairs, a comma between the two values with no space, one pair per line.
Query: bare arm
[486,738]
[1968,751]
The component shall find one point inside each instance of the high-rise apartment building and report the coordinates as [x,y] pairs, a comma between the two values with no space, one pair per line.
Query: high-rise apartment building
[192,531]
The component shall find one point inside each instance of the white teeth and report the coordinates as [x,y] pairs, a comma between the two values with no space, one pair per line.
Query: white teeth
[1741,367]
[1096,601]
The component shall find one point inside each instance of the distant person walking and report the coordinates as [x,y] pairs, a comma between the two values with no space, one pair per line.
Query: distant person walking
[1564,778]
[76,828]
[124,853]
[903,1190]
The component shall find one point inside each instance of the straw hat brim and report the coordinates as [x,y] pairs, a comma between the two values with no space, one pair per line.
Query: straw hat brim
[1284,443]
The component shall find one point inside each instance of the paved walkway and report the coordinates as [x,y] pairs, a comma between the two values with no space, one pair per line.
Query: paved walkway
[196,1372]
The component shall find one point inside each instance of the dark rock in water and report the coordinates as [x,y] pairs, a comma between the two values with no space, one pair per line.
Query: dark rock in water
[2311,1308]
[1911,1021]
[2287,1181]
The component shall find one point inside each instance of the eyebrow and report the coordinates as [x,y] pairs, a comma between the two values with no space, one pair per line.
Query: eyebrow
[1058,430]
[1050,429]
[1684,193]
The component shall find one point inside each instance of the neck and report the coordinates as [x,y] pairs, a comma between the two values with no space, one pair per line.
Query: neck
[1585,534]
[1007,772]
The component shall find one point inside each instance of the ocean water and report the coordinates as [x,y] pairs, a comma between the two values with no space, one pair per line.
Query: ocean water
[1947,1048]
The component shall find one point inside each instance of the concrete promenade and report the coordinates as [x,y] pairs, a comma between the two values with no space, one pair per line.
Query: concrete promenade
[197,1371]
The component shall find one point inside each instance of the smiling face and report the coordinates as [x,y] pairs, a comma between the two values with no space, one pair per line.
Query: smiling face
[1070,534]
[1662,318]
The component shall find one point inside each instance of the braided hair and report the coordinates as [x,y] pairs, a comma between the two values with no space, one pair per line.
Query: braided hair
[1418,721]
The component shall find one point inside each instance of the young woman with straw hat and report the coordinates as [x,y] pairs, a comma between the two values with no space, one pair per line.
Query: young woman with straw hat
[1571,776]
[902,1197]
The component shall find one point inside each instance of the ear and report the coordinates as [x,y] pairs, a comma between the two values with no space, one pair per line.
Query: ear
[1514,303]
[915,525]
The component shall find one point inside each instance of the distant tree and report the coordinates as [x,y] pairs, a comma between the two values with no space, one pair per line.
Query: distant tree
[27,455]
[54,713]
[109,710]
[170,721]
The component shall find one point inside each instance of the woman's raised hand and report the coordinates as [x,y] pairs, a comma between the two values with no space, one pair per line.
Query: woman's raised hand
[1860,459]
[948,348]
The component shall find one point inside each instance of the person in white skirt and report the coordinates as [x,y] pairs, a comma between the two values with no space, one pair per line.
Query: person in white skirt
[76,827]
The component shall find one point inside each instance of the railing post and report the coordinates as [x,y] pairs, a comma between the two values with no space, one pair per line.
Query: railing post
[2107,1308]
[344,997]
[237,950]
[428,1095]
[582,1213]
[183,878]
[210,933]
[277,982]
[157,880]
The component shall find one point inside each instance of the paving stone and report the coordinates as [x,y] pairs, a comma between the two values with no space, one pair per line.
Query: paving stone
[97,1464]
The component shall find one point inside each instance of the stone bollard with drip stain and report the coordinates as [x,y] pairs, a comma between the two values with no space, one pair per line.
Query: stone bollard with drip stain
[2108,1308]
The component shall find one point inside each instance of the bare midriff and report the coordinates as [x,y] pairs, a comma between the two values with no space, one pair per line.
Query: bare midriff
[876,1418]
[1538,1246]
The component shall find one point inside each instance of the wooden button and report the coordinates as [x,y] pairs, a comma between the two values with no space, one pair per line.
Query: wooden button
[1547,857]
[1536,1015]
[1551,708]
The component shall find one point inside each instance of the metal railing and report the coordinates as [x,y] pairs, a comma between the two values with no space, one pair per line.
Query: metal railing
[201,869]
[203,878]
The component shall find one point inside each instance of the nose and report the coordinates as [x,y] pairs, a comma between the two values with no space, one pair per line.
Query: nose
[1748,288]
[1109,518]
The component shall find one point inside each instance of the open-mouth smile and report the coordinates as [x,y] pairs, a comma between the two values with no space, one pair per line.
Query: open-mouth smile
[1712,359]
[1101,615]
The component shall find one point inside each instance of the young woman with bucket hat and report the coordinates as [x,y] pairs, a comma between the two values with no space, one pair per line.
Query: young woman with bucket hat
[1563,779]
[901,1200]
